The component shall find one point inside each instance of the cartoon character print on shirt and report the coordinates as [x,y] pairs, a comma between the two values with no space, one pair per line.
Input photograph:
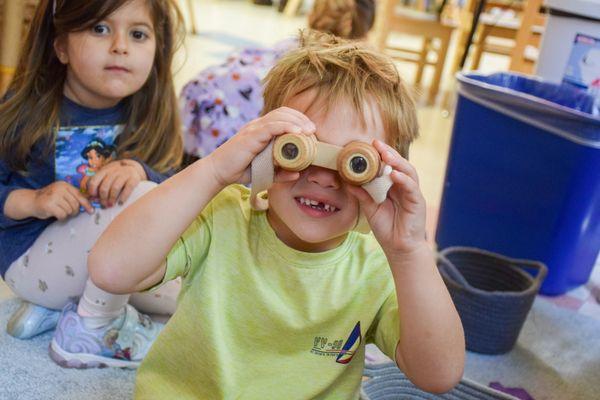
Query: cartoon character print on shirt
[81,151]
[97,154]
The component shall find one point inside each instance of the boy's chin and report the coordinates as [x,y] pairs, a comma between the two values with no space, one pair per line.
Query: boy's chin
[322,241]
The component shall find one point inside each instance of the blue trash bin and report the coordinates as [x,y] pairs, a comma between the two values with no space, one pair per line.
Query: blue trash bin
[523,175]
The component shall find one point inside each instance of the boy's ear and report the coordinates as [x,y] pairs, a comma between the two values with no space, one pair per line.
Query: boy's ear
[60,48]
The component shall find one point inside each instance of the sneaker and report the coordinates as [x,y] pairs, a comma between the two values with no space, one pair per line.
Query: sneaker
[30,320]
[122,343]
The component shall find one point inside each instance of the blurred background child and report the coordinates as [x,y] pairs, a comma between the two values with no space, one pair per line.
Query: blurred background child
[221,99]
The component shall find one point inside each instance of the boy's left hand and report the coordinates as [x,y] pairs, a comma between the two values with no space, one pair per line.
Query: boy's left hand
[399,222]
[115,181]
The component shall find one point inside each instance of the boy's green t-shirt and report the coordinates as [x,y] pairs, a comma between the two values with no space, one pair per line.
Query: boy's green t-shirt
[259,320]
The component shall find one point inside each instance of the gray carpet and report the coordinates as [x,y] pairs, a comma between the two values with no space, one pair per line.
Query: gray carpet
[557,357]
[27,372]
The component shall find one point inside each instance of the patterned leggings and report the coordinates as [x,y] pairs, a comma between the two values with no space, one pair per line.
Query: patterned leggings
[53,271]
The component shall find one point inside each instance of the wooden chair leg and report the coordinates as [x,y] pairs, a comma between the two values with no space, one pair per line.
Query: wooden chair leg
[292,7]
[192,14]
[439,67]
[422,60]
[13,13]
[478,46]
[381,29]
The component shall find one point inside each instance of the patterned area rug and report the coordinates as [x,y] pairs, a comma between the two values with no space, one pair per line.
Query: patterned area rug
[557,356]
[387,382]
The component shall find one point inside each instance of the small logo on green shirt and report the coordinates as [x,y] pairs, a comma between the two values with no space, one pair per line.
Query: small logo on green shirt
[343,351]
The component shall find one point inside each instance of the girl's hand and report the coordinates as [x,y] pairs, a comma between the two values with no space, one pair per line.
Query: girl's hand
[399,222]
[115,181]
[230,162]
[60,200]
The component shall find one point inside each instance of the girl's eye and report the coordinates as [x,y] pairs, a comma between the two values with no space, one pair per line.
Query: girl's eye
[100,29]
[139,35]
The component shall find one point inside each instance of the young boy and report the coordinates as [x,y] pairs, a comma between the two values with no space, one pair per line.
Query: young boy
[280,304]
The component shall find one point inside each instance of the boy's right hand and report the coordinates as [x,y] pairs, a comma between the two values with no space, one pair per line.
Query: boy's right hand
[231,160]
[60,200]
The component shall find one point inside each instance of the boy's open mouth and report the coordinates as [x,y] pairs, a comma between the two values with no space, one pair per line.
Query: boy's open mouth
[315,208]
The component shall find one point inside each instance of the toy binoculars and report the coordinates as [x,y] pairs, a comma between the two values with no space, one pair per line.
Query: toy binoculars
[357,162]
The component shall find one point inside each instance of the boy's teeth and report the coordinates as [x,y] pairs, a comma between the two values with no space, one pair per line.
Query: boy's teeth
[315,204]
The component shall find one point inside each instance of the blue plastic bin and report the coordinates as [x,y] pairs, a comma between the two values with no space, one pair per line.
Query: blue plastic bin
[523,175]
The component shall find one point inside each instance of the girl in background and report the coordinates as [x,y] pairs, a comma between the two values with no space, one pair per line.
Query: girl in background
[221,99]
[90,70]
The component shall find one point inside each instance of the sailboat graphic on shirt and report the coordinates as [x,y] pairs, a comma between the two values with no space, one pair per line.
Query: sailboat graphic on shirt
[351,346]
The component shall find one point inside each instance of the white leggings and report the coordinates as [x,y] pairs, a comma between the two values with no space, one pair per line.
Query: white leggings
[53,271]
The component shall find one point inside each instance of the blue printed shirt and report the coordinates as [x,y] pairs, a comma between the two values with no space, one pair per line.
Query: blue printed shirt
[16,236]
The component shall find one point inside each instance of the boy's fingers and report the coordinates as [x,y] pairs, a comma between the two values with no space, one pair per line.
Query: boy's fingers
[302,119]
[294,117]
[391,157]
[367,203]
[275,128]
[410,189]
[401,165]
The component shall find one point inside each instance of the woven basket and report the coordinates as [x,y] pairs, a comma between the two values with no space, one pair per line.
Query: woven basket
[492,293]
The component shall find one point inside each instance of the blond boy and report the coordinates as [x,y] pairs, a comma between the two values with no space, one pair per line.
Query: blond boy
[279,304]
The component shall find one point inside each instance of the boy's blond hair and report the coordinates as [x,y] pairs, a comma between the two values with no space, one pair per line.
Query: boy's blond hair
[341,70]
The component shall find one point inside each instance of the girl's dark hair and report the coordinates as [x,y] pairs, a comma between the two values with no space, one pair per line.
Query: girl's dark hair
[31,112]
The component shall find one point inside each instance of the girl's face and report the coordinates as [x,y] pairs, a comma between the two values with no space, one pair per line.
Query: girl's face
[111,60]
[320,228]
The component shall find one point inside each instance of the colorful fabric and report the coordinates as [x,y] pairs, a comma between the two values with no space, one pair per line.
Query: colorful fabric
[221,99]
[257,319]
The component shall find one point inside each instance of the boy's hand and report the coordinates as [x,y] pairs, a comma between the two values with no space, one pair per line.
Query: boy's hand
[399,222]
[115,181]
[230,162]
[60,200]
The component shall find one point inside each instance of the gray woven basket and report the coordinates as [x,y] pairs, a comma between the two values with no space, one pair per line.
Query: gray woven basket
[492,293]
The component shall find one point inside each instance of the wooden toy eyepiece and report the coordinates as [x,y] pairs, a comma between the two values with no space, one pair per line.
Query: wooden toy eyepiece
[358,163]
[294,152]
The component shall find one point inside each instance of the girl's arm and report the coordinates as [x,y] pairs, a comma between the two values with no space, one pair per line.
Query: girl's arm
[130,254]
[17,210]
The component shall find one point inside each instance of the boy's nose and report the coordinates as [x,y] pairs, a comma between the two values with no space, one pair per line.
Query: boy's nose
[119,45]
[323,177]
